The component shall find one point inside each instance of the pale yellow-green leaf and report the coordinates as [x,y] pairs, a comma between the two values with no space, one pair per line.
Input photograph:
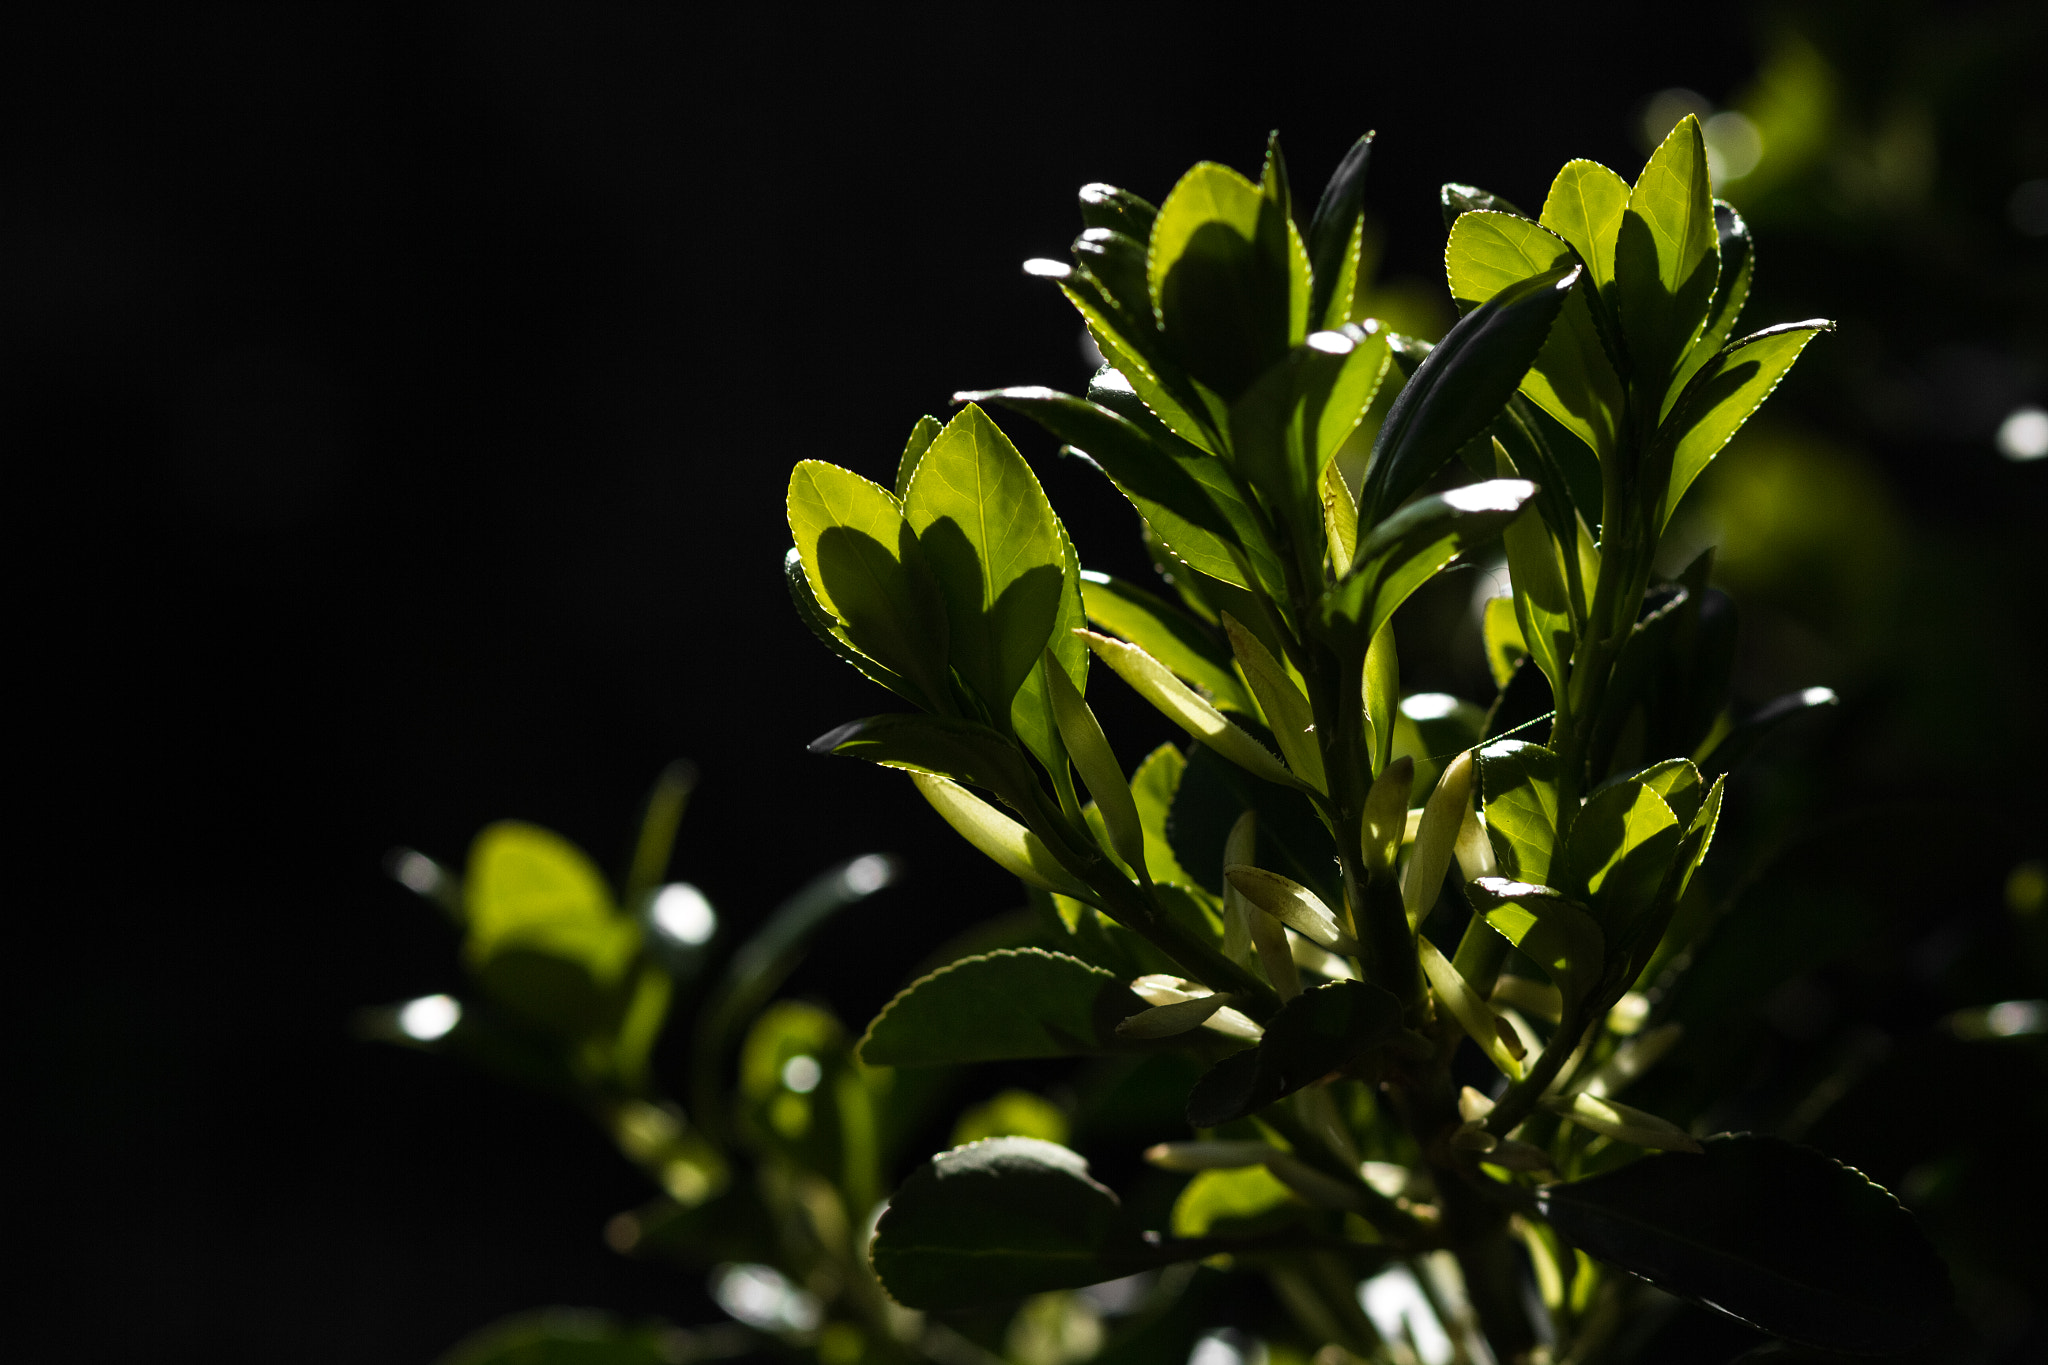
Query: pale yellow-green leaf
[1008,844]
[1180,704]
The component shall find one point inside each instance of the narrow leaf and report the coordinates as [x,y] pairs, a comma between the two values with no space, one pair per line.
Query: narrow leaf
[1008,844]
[1474,1015]
[1178,703]
[1167,633]
[1721,397]
[1293,904]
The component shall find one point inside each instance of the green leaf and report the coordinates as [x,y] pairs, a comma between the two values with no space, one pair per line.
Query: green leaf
[1214,793]
[1776,1235]
[1743,741]
[1285,428]
[921,437]
[959,749]
[531,890]
[1223,274]
[1571,377]
[1473,1014]
[1234,1203]
[994,545]
[1518,788]
[1154,786]
[1179,704]
[1333,235]
[1293,904]
[1315,1033]
[1667,258]
[1408,548]
[1551,930]
[1020,1002]
[1621,846]
[832,633]
[1721,397]
[1012,1113]
[1000,1219]
[1008,844]
[1096,762]
[1678,782]
[864,566]
[1459,199]
[1031,713]
[1460,387]
[1106,206]
[1501,629]
[1584,207]
[1165,632]
[1543,606]
[1287,711]
[1382,688]
[1738,267]
[1124,450]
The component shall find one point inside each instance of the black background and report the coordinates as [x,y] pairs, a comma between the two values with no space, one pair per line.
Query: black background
[400,403]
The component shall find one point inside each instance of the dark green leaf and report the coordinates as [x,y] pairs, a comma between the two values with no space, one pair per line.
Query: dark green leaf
[1460,388]
[1315,1033]
[1408,548]
[1457,199]
[1000,1219]
[993,543]
[1214,792]
[1106,206]
[1518,788]
[577,1336]
[833,635]
[1332,232]
[1167,633]
[1742,742]
[1738,266]
[1774,1234]
[959,749]
[1020,1002]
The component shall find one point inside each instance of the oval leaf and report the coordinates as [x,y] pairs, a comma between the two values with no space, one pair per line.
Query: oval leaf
[999,1219]
[1019,1002]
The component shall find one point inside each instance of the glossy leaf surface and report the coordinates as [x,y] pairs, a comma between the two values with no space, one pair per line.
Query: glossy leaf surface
[1518,786]
[999,1219]
[1723,395]
[1022,1002]
[1552,931]
[1772,1233]
[1408,548]
[1460,387]
[1621,845]
[1667,257]
[1332,234]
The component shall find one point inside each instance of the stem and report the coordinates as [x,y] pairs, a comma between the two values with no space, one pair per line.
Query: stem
[1518,1101]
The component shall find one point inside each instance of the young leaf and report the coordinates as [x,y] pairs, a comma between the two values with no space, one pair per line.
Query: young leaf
[921,437]
[1008,844]
[999,1219]
[1317,1032]
[1738,266]
[865,567]
[1518,787]
[1721,397]
[1584,207]
[1293,904]
[1287,711]
[1474,1015]
[1459,387]
[1501,629]
[1167,633]
[1096,762]
[1386,815]
[1106,206]
[1153,787]
[994,545]
[959,749]
[1235,1203]
[1553,932]
[1437,835]
[1622,1122]
[528,889]
[1287,425]
[1543,607]
[1678,782]
[1771,1233]
[1222,276]
[1667,258]
[1001,1006]
[1156,684]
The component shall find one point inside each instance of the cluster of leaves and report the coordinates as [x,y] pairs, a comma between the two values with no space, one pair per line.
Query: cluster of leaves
[1279,901]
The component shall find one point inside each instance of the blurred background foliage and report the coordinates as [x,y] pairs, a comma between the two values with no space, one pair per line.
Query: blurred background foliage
[400,403]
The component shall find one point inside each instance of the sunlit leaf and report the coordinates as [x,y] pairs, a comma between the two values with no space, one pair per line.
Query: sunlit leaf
[1021,1002]
[1721,397]
[1518,790]
[1551,930]
[1667,258]
[1621,846]
[1167,633]
[1222,275]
